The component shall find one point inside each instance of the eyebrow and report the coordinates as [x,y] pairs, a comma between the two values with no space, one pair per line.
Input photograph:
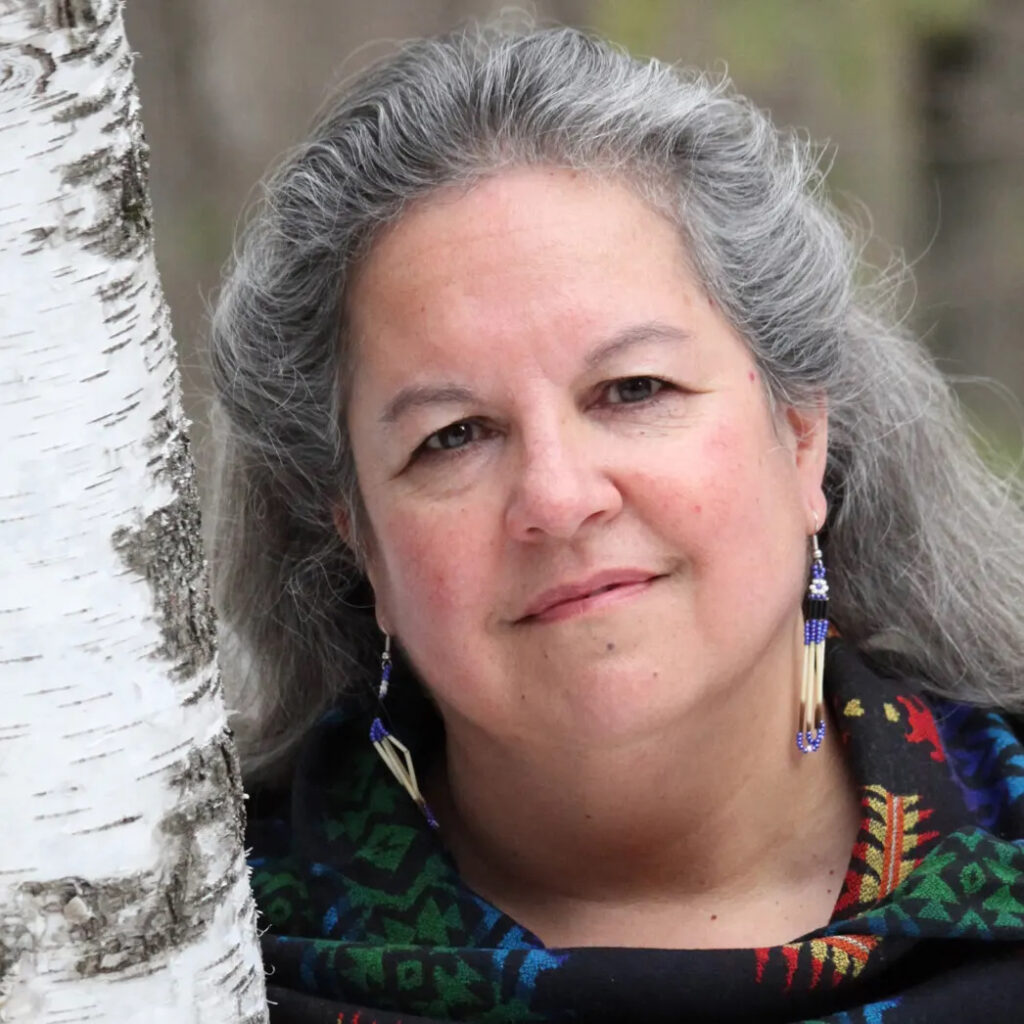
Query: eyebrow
[416,396]
[635,334]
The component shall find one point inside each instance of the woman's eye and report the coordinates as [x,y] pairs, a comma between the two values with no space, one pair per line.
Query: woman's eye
[455,435]
[633,389]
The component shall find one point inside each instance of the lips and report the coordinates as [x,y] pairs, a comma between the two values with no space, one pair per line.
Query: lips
[548,603]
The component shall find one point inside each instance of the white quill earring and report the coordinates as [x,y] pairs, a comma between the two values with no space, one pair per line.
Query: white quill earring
[393,752]
[811,732]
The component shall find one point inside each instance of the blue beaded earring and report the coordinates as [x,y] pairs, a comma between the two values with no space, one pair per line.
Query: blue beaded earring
[812,692]
[393,752]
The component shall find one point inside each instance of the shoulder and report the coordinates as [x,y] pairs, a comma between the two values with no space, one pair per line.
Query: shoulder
[985,753]
[970,758]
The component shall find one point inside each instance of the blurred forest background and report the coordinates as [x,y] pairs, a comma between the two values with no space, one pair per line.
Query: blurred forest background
[921,101]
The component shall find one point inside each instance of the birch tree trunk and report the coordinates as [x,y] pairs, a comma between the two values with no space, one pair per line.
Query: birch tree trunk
[123,889]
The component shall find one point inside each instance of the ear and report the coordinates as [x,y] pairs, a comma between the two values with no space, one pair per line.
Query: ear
[809,430]
[343,524]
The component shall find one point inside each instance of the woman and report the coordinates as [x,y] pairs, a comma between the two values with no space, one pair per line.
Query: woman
[543,370]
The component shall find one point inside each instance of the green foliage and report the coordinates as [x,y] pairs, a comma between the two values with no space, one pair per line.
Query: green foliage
[842,40]
[938,15]
[757,37]
[639,25]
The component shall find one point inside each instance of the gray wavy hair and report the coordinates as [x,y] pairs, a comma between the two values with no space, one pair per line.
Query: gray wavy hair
[924,543]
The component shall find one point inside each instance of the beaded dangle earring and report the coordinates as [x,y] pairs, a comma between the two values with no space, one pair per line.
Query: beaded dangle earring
[393,752]
[812,690]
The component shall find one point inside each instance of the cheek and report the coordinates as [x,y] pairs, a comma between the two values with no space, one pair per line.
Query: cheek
[430,565]
[749,472]
[709,482]
[753,533]
[724,502]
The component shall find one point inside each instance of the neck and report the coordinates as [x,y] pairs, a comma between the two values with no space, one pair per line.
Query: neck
[702,816]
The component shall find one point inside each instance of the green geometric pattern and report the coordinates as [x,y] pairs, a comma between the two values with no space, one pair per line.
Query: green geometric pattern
[971,884]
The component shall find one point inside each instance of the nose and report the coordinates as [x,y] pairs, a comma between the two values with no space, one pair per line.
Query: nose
[561,483]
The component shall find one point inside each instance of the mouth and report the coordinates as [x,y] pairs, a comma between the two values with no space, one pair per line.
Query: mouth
[600,591]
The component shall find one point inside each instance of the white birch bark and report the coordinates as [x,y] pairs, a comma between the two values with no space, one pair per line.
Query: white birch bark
[123,890]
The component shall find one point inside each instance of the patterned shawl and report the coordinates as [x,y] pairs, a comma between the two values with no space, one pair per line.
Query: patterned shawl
[369,920]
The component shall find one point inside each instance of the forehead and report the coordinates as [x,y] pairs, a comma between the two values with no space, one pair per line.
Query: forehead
[519,244]
[516,198]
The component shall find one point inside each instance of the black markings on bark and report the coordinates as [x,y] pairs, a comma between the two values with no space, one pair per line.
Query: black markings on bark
[88,47]
[38,237]
[135,208]
[167,552]
[121,314]
[89,166]
[125,229]
[119,174]
[115,924]
[75,14]
[46,62]
[9,943]
[127,820]
[116,347]
[83,108]
[210,782]
[120,288]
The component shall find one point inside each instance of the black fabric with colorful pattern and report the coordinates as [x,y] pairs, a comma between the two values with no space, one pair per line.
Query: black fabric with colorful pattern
[366,909]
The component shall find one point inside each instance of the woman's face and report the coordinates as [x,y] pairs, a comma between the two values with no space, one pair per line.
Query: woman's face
[583,517]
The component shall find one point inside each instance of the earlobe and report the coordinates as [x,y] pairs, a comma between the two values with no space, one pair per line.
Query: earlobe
[380,613]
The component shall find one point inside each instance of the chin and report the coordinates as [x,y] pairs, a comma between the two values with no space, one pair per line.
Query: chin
[617,704]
